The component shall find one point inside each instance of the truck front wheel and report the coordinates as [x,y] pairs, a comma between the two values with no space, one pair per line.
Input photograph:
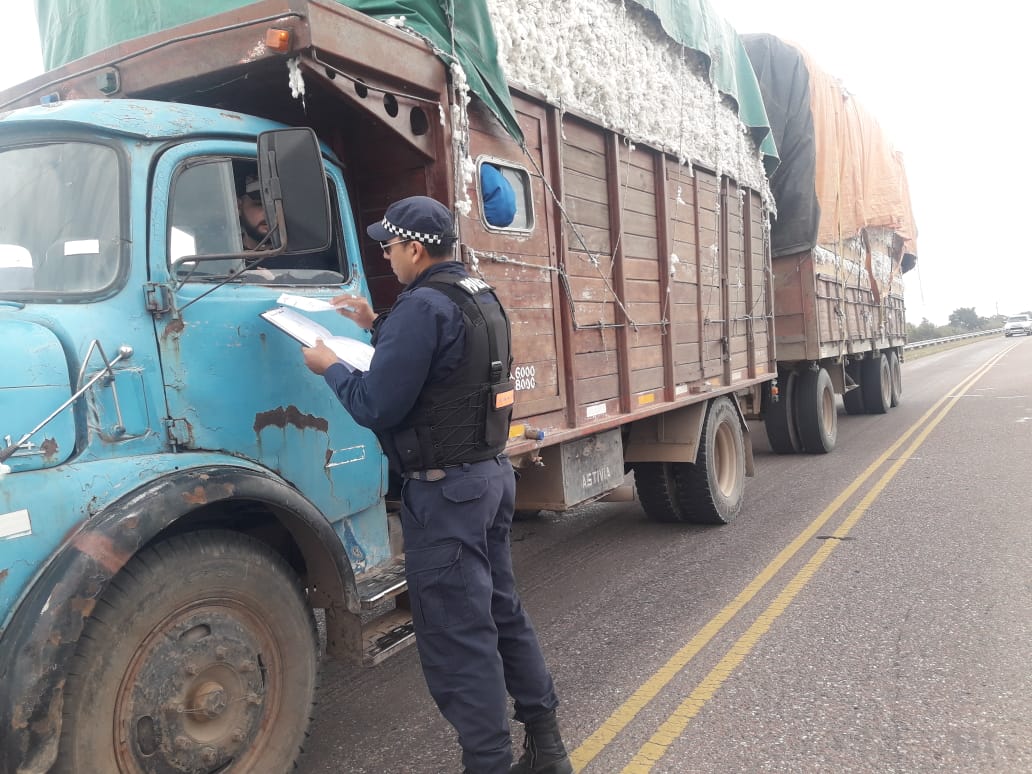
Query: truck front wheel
[200,656]
[708,491]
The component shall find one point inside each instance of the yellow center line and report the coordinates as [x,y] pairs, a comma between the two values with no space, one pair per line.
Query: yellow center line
[668,733]
[626,712]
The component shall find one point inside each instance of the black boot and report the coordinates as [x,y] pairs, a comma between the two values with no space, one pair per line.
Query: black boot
[543,749]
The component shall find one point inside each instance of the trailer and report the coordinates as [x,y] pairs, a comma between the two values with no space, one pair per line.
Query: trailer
[179,494]
[841,240]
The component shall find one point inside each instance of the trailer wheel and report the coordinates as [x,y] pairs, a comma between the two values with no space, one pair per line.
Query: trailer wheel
[526,514]
[200,656]
[709,491]
[853,400]
[896,376]
[779,418]
[816,413]
[876,383]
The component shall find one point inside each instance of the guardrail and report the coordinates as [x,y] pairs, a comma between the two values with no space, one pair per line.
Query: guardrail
[948,339]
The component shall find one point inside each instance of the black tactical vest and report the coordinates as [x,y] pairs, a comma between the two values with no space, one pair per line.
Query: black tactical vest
[466,417]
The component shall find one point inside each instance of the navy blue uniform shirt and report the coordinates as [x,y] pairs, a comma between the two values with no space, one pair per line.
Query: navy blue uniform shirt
[421,341]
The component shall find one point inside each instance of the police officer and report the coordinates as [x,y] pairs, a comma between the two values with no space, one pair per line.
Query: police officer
[439,398]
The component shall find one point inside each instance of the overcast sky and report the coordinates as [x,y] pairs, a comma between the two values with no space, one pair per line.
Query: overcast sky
[946,87]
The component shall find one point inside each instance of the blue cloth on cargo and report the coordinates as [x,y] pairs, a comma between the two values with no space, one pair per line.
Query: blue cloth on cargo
[499,197]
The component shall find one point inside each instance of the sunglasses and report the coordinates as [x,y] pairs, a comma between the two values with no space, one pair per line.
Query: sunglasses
[386,246]
[254,196]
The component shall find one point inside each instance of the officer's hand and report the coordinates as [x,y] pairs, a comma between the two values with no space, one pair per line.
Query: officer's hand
[355,308]
[319,358]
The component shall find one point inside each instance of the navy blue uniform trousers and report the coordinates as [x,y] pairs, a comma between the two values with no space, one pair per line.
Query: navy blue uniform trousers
[475,641]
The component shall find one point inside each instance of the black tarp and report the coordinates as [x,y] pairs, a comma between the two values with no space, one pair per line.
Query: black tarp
[785,86]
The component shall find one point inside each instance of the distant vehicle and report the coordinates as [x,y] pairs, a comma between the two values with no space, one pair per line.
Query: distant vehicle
[1019,323]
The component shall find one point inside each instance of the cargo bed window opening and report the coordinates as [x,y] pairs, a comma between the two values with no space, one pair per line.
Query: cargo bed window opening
[215,208]
[506,199]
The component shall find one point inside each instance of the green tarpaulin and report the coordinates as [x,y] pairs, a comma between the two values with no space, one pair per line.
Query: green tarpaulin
[71,29]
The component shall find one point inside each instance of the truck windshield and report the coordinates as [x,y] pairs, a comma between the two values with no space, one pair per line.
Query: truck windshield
[60,223]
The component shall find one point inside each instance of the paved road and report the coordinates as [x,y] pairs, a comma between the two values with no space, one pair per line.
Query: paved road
[869,611]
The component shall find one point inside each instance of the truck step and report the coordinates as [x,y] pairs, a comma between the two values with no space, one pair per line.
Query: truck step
[381,584]
[386,635]
[381,626]
[369,638]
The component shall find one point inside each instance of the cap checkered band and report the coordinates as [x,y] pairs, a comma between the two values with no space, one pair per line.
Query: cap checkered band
[433,239]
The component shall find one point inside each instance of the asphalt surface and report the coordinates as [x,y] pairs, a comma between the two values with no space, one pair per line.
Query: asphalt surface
[883,627]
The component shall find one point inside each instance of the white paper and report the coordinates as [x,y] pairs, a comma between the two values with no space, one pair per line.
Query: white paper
[297,325]
[353,353]
[309,304]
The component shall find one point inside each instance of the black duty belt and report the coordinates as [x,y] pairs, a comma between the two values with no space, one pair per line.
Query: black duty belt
[436,474]
[433,474]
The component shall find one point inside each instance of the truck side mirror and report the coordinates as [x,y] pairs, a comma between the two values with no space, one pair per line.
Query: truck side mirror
[293,183]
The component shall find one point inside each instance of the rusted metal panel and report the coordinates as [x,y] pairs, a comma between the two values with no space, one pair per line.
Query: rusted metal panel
[159,66]
[362,43]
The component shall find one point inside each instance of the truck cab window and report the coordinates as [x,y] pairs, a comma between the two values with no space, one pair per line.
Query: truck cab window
[204,220]
[216,208]
[61,231]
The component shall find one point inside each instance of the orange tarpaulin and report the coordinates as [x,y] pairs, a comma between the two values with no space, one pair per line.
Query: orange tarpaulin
[860,181]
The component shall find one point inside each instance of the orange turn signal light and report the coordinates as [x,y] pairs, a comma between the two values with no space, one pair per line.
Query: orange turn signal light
[277,40]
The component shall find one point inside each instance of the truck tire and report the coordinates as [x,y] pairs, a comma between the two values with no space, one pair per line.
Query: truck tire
[526,514]
[876,383]
[896,375]
[816,413]
[779,418]
[708,491]
[853,400]
[200,656]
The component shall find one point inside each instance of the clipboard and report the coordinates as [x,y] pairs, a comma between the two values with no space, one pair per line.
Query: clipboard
[355,354]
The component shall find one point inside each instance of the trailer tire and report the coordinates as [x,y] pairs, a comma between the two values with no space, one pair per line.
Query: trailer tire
[816,412]
[708,491]
[779,418]
[896,375]
[526,514]
[876,383]
[200,656]
[853,399]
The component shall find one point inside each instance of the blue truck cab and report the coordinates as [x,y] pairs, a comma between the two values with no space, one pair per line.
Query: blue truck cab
[155,425]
